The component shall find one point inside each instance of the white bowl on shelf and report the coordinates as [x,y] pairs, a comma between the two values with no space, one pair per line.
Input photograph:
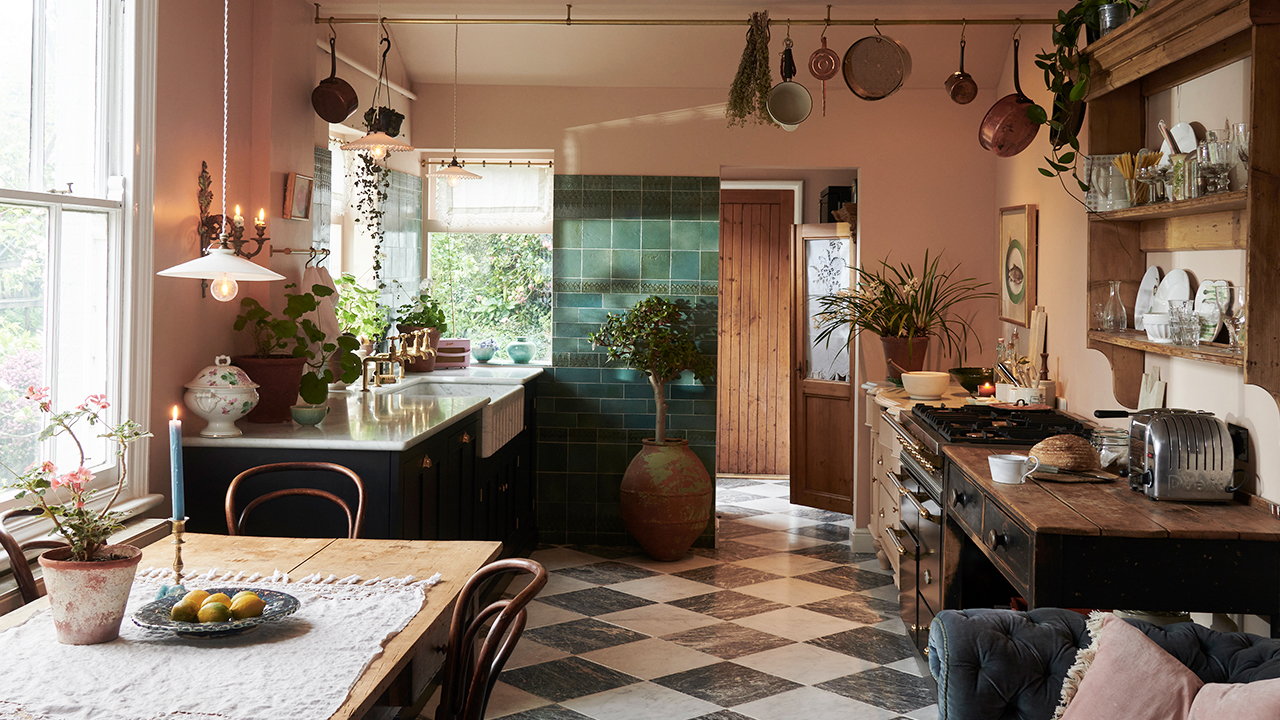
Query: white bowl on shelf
[1159,327]
[925,385]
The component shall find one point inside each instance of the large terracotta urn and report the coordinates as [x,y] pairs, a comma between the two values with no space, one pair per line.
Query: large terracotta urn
[667,497]
[426,364]
[279,379]
[87,599]
[904,353]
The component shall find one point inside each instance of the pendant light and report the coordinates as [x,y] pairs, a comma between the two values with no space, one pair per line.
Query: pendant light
[453,173]
[219,263]
[377,142]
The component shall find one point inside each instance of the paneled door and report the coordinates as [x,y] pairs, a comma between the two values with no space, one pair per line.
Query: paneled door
[823,399]
[754,348]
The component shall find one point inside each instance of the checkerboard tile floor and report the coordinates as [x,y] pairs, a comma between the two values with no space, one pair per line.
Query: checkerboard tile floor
[786,620]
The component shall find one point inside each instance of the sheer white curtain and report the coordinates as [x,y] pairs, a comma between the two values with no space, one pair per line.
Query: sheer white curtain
[511,198]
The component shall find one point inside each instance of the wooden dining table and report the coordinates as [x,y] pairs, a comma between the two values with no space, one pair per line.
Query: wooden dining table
[409,660]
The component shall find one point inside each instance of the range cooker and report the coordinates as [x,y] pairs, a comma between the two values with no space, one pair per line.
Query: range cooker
[931,549]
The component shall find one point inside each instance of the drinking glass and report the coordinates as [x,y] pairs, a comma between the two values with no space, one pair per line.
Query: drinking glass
[1213,158]
[1234,321]
[1184,323]
[1240,147]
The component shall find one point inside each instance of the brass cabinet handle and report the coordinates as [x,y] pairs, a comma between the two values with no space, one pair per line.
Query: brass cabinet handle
[928,577]
[466,438]
[915,500]
[892,534]
[426,461]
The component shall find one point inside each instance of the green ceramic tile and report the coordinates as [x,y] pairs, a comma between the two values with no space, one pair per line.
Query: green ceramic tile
[566,263]
[686,183]
[709,266]
[626,234]
[566,182]
[711,206]
[551,457]
[693,422]
[709,288]
[574,375]
[581,458]
[626,264]
[578,300]
[567,204]
[655,265]
[710,237]
[686,235]
[653,206]
[685,265]
[563,314]
[625,407]
[577,405]
[626,182]
[581,519]
[592,315]
[582,435]
[690,287]
[560,359]
[566,234]
[596,264]
[582,486]
[710,184]
[597,182]
[621,300]
[597,233]
[626,204]
[650,183]
[612,458]
[608,493]
[597,203]
[622,287]
[655,235]
[614,436]
[624,375]
[686,206]
[655,287]
[600,285]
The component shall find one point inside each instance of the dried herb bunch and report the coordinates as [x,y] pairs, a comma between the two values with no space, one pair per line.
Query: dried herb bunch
[749,93]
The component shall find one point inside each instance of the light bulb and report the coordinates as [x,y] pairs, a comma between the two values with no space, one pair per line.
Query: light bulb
[223,288]
[454,180]
[378,152]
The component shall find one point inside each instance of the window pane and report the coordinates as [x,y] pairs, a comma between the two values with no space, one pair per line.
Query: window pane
[22,346]
[494,286]
[827,274]
[82,336]
[15,95]
[72,96]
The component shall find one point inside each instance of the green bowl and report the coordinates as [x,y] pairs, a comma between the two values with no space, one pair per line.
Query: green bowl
[308,414]
[972,377]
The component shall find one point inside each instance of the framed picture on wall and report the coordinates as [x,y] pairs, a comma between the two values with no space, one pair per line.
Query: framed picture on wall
[1016,257]
[297,196]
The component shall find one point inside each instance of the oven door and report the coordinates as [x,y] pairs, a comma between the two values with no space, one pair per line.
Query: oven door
[920,540]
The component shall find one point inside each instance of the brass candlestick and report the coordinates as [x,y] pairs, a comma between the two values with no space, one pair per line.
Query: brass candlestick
[179,527]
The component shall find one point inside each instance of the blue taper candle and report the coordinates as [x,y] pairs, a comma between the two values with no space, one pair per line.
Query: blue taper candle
[175,466]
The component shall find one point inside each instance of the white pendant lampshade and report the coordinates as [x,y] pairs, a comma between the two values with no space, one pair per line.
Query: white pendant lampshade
[453,173]
[378,144]
[224,268]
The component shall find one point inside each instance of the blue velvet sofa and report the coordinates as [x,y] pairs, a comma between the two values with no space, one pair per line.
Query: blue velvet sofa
[1009,665]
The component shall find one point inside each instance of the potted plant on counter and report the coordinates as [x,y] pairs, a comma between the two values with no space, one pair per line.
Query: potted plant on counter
[666,492]
[359,312]
[906,309]
[88,580]
[424,313]
[292,355]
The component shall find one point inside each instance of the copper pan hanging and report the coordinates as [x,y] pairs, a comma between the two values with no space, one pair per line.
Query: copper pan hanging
[876,66]
[1007,130]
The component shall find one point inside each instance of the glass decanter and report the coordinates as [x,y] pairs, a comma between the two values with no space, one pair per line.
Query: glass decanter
[1114,317]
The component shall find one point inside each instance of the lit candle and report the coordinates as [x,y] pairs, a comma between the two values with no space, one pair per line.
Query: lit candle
[237,219]
[175,465]
[986,390]
[262,218]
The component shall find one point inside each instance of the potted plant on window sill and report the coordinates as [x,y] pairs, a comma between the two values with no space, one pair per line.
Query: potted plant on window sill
[292,355]
[423,313]
[88,580]
[667,494]
[359,312]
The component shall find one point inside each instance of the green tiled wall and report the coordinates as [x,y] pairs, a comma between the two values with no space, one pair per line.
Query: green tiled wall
[619,239]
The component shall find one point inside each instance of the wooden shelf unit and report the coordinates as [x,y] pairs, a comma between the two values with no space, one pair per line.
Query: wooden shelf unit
[1170,44]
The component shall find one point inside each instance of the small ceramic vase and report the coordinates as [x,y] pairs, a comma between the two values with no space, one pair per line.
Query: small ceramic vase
[520,350]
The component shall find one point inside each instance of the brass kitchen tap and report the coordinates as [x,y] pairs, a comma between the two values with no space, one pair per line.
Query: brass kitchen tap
[404,347]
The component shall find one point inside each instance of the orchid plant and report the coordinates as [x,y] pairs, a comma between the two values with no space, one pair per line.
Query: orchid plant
[64,496]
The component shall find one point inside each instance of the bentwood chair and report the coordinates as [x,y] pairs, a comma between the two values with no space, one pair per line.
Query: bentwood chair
[236,525]
[27,588]
[469,675]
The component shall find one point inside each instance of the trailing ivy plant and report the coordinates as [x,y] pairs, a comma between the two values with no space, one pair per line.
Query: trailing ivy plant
[1066,76]
[371,183]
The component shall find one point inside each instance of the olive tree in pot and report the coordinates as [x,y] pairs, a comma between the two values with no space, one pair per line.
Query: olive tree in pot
[292,355]
[667,494]
[423,313]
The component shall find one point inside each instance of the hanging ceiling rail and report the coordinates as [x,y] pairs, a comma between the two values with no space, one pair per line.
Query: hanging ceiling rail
[668,22]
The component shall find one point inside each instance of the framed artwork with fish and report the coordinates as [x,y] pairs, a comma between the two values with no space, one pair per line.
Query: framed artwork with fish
[1016,255]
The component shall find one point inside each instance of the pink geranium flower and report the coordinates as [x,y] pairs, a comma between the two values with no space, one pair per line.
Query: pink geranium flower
[99,401]
[75,479]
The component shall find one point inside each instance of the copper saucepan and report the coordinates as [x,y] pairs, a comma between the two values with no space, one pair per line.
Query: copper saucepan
[334,99]
[1007,130]
[961,86]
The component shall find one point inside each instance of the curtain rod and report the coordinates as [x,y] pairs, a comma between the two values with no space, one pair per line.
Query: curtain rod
[570,20]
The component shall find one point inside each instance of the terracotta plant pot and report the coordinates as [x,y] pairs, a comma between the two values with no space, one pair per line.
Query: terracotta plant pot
[87,599]
[279,378]
[667,497]
[902,354]
[422,364]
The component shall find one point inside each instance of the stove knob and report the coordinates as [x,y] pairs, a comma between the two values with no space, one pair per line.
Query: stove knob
[994,539]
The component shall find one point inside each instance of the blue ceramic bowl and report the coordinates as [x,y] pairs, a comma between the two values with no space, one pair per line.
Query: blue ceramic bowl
[309,414]
[483,354]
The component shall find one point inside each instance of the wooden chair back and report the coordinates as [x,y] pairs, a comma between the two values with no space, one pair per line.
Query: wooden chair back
[235,526]
[27,587]
[469,676]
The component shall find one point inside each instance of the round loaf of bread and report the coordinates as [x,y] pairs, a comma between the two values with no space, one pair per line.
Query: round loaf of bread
[1069,452]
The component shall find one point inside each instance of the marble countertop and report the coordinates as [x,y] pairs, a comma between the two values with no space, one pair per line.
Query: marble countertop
[897,399]
[488,373]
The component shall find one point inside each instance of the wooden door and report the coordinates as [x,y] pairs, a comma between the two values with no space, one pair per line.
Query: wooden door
[754,360]
[823,400]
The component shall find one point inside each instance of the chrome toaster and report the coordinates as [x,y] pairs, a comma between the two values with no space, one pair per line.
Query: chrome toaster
[1181,455]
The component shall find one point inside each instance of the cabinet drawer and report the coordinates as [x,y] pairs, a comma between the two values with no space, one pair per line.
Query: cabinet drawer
[1007,542]
[924,619]
[964,503]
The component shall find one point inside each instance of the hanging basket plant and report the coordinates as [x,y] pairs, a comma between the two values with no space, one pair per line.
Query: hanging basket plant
[749,93]
[371,181]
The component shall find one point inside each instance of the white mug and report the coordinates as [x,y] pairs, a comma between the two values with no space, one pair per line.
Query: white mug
[1011,469]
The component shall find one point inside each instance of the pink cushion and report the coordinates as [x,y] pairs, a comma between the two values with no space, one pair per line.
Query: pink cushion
[1133,678]
[1245,701]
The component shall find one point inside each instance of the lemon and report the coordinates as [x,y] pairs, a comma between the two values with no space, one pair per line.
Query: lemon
[247,605]
[184,611]
[195,597]
[243,593]
[214,612]
[216,598]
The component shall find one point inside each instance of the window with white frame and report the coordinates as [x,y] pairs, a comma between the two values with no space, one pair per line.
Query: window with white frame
[63,230]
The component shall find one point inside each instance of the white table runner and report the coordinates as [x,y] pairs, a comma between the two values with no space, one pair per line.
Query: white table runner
[299,667]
